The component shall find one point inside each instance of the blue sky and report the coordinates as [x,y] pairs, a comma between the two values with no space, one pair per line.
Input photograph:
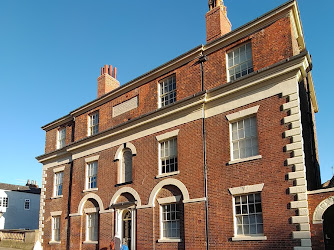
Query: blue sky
[51,53]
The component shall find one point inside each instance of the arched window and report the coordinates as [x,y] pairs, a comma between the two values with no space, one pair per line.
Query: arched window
[125,174]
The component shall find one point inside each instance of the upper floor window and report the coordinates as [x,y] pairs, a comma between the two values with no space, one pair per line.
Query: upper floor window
[91,180]
[168,156]
[244,140]
[56,228]
[248,215]
[3,201]
[26,204]
[167,91]
[240,62]
[61,138]
[58,184]
[92,227]
[126,166]
[93,123]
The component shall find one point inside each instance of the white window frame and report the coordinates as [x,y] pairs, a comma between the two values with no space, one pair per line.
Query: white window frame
[93,123]
[88,180]
[4,202]
[123,176]
[249,69]
[61,138]
[239,116]
[26,202]
[243,191]
[172,149]
[92,229]
[170,201]
[169,80]
[56,228]
[58,183]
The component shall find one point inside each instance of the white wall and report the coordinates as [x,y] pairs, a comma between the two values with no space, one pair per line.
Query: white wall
[15,216]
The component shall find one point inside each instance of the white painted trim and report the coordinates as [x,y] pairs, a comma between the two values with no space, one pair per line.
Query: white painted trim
[194,200]
[59,169]
[170,199]
[144,206]
[90,190]
[243,113]
[91,210]
[246,189]
[52,242]
[92,158]
[251,158]
[121,147]
[169,181]
[85,198]
[249,238]
[169,240]
[167,135]
[167,174]
[56,213]
[90,242]
[321,208]
[56,197]
[318,191]
[125,190]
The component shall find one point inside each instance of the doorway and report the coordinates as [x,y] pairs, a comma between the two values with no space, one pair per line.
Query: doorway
[328,227]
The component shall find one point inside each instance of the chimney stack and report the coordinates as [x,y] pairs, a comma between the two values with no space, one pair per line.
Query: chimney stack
[107,81]
[217,23]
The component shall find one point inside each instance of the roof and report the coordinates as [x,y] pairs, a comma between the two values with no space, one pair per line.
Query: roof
[25,189]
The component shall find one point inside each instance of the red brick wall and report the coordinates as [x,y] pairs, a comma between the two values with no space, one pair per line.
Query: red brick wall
[269,46]
[316,229]
[269,170]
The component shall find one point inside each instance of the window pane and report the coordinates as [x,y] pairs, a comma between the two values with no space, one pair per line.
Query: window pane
[250,222]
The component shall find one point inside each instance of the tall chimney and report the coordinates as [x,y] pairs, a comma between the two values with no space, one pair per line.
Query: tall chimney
[217,23]
[107,81]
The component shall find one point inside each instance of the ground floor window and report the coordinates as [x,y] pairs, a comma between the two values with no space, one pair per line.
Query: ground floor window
[170,221]
[92,227]
[56,228]
[248,214]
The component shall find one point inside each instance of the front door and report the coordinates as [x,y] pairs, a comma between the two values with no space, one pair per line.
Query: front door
[328,224]
[127,232]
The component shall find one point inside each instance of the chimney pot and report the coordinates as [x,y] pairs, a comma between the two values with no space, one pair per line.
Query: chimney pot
[107,81]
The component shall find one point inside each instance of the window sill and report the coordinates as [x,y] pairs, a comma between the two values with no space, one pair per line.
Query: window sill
[169,240]
[90,242]
[54,242]
[167,174]
[90,190]
[123,183]
[256,237]
[56,197]
[245,159]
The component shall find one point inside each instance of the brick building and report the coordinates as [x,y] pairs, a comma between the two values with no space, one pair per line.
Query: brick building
[215,149]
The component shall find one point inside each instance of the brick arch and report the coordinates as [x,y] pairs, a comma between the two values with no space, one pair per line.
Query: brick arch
[123,146]
[90,196]
[321,208]
[169,181]
[126,190]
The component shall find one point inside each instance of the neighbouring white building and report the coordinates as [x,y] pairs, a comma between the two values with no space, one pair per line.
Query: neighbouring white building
[19,206]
